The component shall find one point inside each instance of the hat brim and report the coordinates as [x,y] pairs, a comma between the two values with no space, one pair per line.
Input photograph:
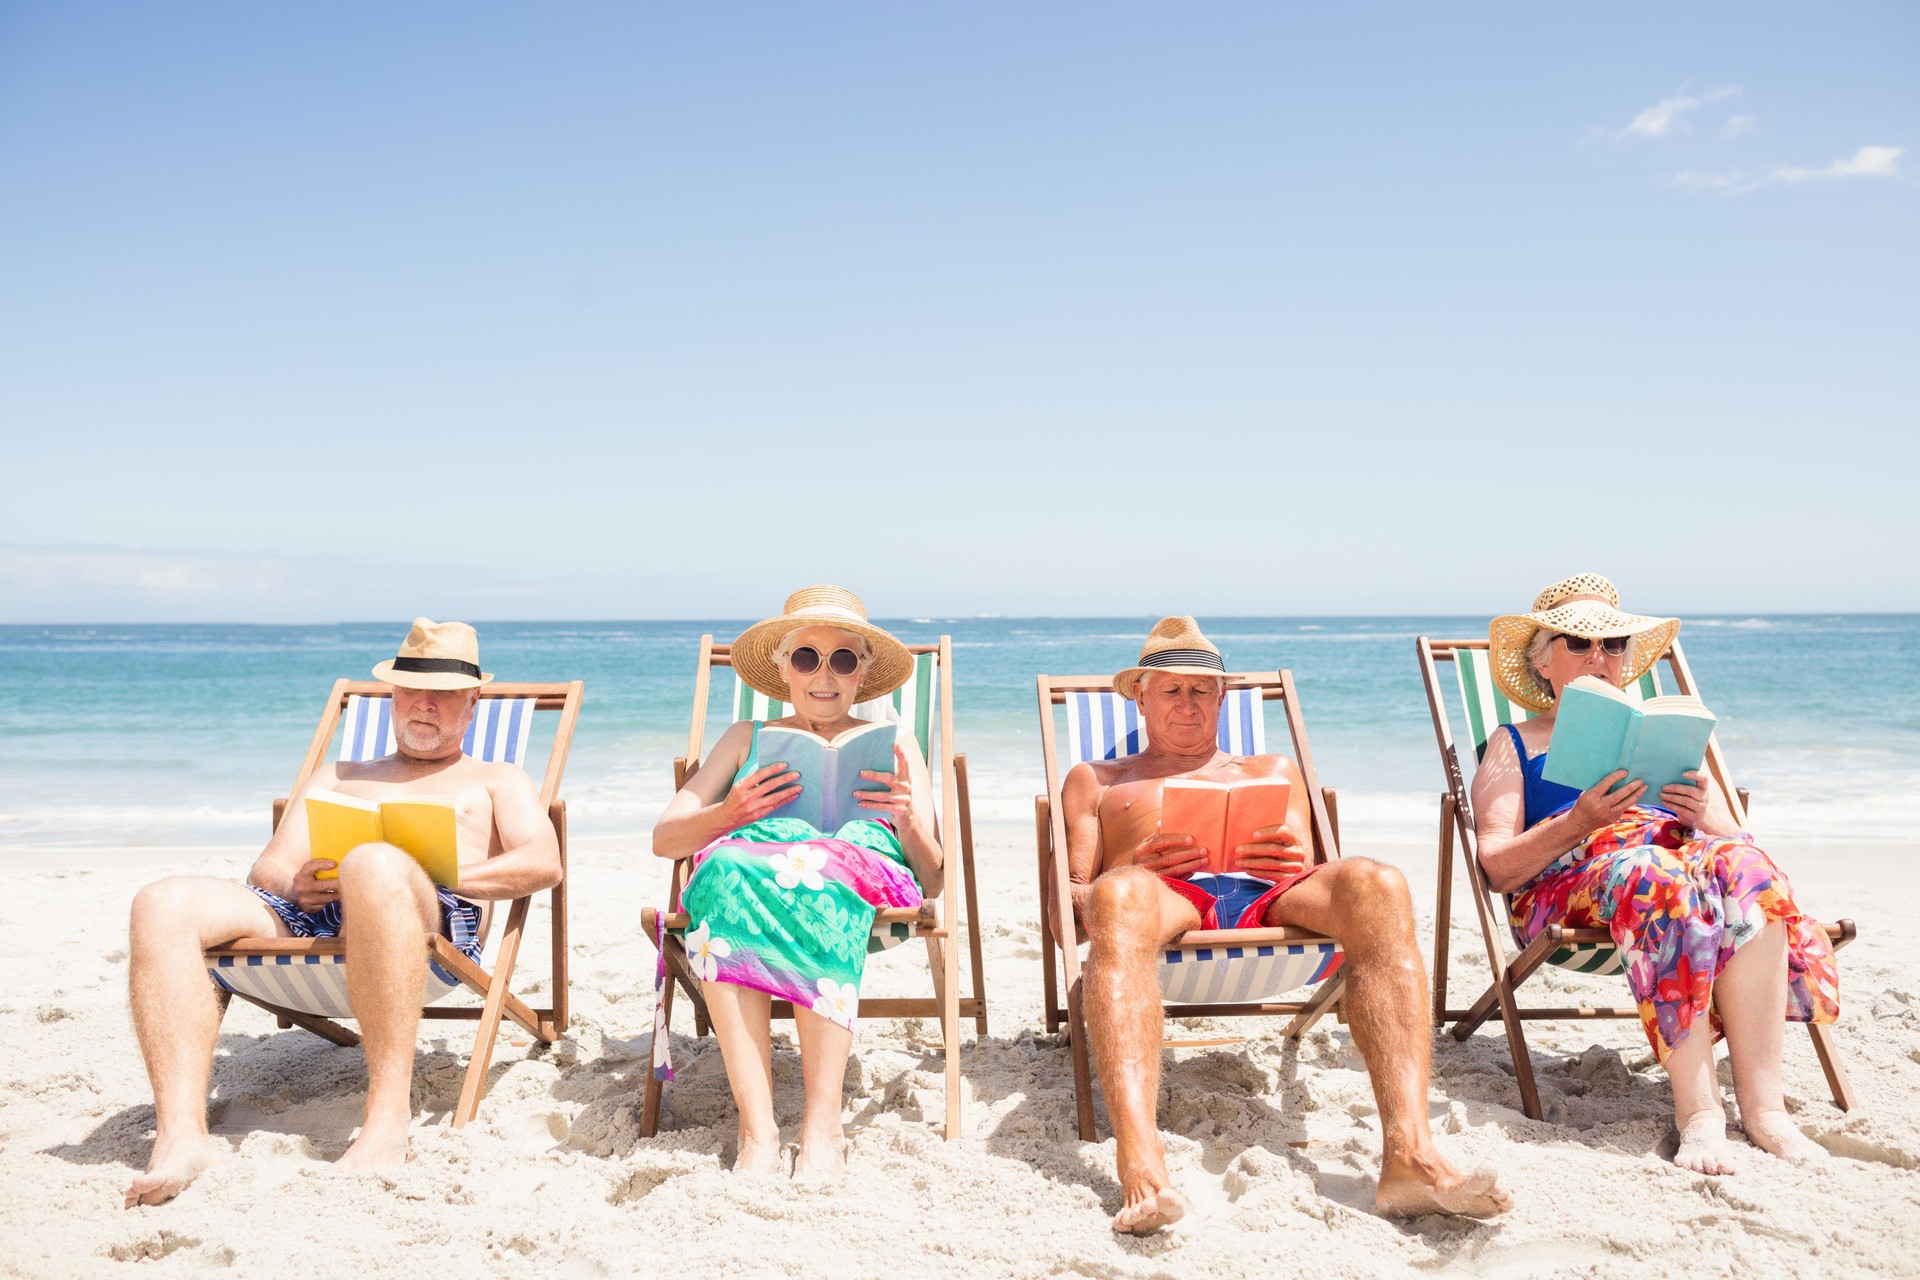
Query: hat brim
[1509,636]
[385,673]
[752,655]
[1127,683]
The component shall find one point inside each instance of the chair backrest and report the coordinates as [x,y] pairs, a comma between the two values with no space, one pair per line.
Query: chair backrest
[1488,707]
[912,704]
[1102,725]
[498,733]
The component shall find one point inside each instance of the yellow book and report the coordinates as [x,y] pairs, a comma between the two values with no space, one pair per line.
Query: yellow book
[422,825]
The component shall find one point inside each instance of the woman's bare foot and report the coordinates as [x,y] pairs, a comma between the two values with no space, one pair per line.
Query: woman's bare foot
[1411,1187]
[382,1144]
[174,1164]
[1704,1147]
[1777,1135]
[759,1153]
[1149,1208]
[821,1157]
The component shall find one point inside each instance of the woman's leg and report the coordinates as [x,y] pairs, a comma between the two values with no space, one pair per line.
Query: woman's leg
[741,1020]
[1697,1111]
[824,1046]
[1751,996]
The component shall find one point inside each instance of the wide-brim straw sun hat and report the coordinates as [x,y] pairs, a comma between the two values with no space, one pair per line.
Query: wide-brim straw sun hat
[1583,605]
[1176,645]
[890,667]
[436,655]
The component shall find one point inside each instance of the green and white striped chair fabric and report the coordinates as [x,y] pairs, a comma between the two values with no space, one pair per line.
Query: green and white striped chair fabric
[1487,708]
[1106,726]
[317,984]
[912,705]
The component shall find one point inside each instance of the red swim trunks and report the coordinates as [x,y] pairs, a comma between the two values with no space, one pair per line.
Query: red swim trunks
[1233,902]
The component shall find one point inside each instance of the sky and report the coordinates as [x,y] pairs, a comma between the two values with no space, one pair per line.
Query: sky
[333,312]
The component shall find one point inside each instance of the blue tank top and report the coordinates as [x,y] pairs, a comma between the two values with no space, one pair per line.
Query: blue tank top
[1544,799]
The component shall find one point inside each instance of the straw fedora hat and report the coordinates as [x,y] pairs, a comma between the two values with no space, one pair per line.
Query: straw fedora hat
[1176,645]
[436,655]
[837,607]
[1583,605]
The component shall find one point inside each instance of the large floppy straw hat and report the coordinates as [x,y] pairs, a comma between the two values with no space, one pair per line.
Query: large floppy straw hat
[837,607]
[1176,645]
[1583,605]
[436,655]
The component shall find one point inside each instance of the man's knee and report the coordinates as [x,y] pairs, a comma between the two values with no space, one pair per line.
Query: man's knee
[1123,904]
[376,875]
[1366,887]
[179,906]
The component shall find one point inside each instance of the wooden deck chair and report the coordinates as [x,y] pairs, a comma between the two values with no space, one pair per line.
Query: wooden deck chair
[1206,972]
[1484,708]
[926,700]
[303,981]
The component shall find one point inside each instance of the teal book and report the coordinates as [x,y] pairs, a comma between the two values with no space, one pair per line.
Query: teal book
[1600,729]
[829,771]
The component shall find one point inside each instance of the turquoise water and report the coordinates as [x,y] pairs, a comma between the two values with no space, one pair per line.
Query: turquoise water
[181,735]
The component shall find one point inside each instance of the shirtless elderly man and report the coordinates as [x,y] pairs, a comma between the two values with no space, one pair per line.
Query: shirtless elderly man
[381,903]
[1134,891]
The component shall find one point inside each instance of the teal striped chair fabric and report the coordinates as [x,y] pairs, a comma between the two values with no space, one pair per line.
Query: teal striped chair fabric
[317,984]
[1487,708]
[1106,726]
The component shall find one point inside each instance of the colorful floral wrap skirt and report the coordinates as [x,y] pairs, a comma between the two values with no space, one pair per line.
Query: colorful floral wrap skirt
[1679,908]
[778,907]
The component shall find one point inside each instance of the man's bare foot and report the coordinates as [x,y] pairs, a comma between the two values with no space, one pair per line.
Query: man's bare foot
[1704,1147]
[758,1154]
[1410,1188]
[1149,1208]
[820,1159]
[382,1144]
[175,1163]
[1777,1135]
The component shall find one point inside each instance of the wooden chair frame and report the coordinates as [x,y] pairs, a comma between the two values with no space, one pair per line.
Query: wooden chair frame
[1457,830]
[494,988]
[1050,836]
[932,921]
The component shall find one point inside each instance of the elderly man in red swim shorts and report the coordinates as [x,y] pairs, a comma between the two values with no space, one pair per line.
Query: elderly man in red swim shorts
[1135,889]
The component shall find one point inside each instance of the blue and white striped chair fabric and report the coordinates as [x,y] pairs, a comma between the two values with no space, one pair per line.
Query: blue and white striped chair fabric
[1106,726]
[1487,708]
[912,705]
[317,984]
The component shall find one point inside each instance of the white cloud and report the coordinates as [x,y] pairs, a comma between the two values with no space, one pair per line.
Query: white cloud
[1668,115]
[1867,162]
[1737,125]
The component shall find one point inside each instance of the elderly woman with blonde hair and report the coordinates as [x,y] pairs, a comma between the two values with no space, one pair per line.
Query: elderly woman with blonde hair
[777,908]
[1707,923]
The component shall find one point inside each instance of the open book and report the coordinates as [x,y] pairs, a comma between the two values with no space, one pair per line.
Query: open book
[422,825]
[829,771]
[1599,729]
[1222,816]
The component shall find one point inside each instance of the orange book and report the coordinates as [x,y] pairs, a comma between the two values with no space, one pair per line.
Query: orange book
[1222,816]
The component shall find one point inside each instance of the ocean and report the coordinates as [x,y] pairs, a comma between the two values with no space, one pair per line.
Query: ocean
[179,736]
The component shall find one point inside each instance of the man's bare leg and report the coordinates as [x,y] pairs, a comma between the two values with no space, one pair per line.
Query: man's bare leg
[824,1046]
[176,1014]
[1364,905]
[741,1019]
[1130,916]
[387,909]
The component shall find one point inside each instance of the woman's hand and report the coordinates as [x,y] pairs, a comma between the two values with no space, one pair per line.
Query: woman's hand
[897,800]
[1168,854]
[757,795]
[1601,806]
[1688,800]
[1275,853]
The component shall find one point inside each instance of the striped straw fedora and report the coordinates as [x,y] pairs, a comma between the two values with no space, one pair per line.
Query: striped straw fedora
[1583,605]
[1176,645]
[436,655]
[891,666]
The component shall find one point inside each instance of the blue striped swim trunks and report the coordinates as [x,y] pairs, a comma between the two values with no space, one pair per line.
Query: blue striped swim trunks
[459,919]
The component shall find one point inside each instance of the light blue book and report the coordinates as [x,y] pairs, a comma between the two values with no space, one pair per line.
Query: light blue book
[1600,728]
[829,771]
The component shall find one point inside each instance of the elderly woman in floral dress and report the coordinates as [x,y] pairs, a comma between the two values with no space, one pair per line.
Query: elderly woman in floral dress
[778,909]
[1714,940]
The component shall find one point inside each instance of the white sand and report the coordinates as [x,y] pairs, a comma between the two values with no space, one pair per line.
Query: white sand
[1276,1143]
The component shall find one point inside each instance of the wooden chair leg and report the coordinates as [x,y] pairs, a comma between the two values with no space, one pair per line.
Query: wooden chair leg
[1517,1048]
[650,1095]
[1330,991]
[974,945]
[1443,911]
[1082,1062]
[1829,1055]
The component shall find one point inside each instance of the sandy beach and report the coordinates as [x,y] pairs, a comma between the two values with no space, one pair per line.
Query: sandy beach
[1276,1142]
